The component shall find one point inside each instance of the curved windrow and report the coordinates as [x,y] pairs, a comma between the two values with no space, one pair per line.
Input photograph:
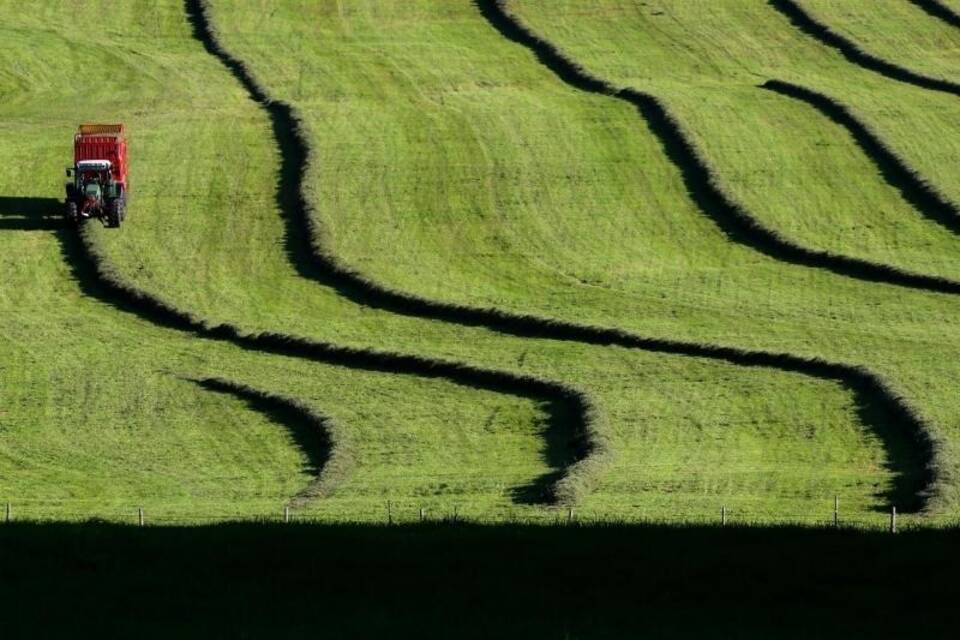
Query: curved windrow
[572,413]
[325,267]
[713,199]
[112,240]
[939,10]
[806,23]
[695,170]
[318,437]
[916,190]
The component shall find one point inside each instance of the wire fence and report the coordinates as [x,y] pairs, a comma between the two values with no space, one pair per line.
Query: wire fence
[409,512]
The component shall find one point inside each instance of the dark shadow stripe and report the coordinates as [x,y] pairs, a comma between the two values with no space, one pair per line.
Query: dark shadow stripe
[914,481]
[478,581]
[939,10]
[26,214]
[924,197]
[919,467]
[316,436]
[803,21]
[26,224]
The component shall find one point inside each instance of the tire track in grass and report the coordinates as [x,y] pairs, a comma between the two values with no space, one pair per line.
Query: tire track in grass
[850,50]
[911,446]
[318,437]
[939,10]
[916,190]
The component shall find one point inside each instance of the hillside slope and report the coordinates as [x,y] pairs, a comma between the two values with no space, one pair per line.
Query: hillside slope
[449,165]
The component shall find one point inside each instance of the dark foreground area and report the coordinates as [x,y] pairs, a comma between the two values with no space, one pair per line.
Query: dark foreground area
[470,581]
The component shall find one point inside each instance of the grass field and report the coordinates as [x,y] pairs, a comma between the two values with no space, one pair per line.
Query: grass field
[450,164]
[897,31]
[561,278]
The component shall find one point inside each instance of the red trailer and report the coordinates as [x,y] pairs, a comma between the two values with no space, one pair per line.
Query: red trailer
[99,172]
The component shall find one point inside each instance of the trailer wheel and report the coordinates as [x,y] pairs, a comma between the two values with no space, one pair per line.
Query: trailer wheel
[73,215]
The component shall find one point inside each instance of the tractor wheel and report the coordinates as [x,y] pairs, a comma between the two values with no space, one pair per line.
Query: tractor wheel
[73,215]
[115,213]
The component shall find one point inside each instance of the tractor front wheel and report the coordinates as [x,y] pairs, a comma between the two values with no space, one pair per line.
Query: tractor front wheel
[115,213]
[73,215]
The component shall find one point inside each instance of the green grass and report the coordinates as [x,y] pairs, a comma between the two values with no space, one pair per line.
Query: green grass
[98,416]
[794,169]
[562,204]
[899,32]
[449,163]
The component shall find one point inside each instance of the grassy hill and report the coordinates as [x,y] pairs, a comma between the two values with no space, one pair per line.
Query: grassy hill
[501,295]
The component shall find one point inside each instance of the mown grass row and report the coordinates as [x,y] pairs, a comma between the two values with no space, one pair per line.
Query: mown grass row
[296,153]
[709,193]
[635,46]
[308,308]
[126,430]
[911,34]
[655,398]
[702,181]
[325,445]
[939,10]
[327,214]
[96,411]
[908,119]
[570,404]
[856,54]
[917,190]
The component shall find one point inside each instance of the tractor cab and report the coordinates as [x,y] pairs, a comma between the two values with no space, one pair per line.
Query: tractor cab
[90,172]
[92,195]
[92,191]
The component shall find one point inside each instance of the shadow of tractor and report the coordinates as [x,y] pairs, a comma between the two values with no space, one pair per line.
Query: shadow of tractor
[31,214]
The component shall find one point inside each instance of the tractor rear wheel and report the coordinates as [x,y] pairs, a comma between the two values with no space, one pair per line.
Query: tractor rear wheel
[115,213]
[73,215]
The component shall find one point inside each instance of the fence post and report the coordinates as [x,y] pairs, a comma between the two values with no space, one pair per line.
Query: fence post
[140,515]
[723,516]
[6,517]
[421,514]
[570,515]
[286,514]
[836,511]
[893,520]
[389,513]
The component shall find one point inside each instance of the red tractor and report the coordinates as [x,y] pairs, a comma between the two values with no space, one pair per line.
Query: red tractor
[99,172]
